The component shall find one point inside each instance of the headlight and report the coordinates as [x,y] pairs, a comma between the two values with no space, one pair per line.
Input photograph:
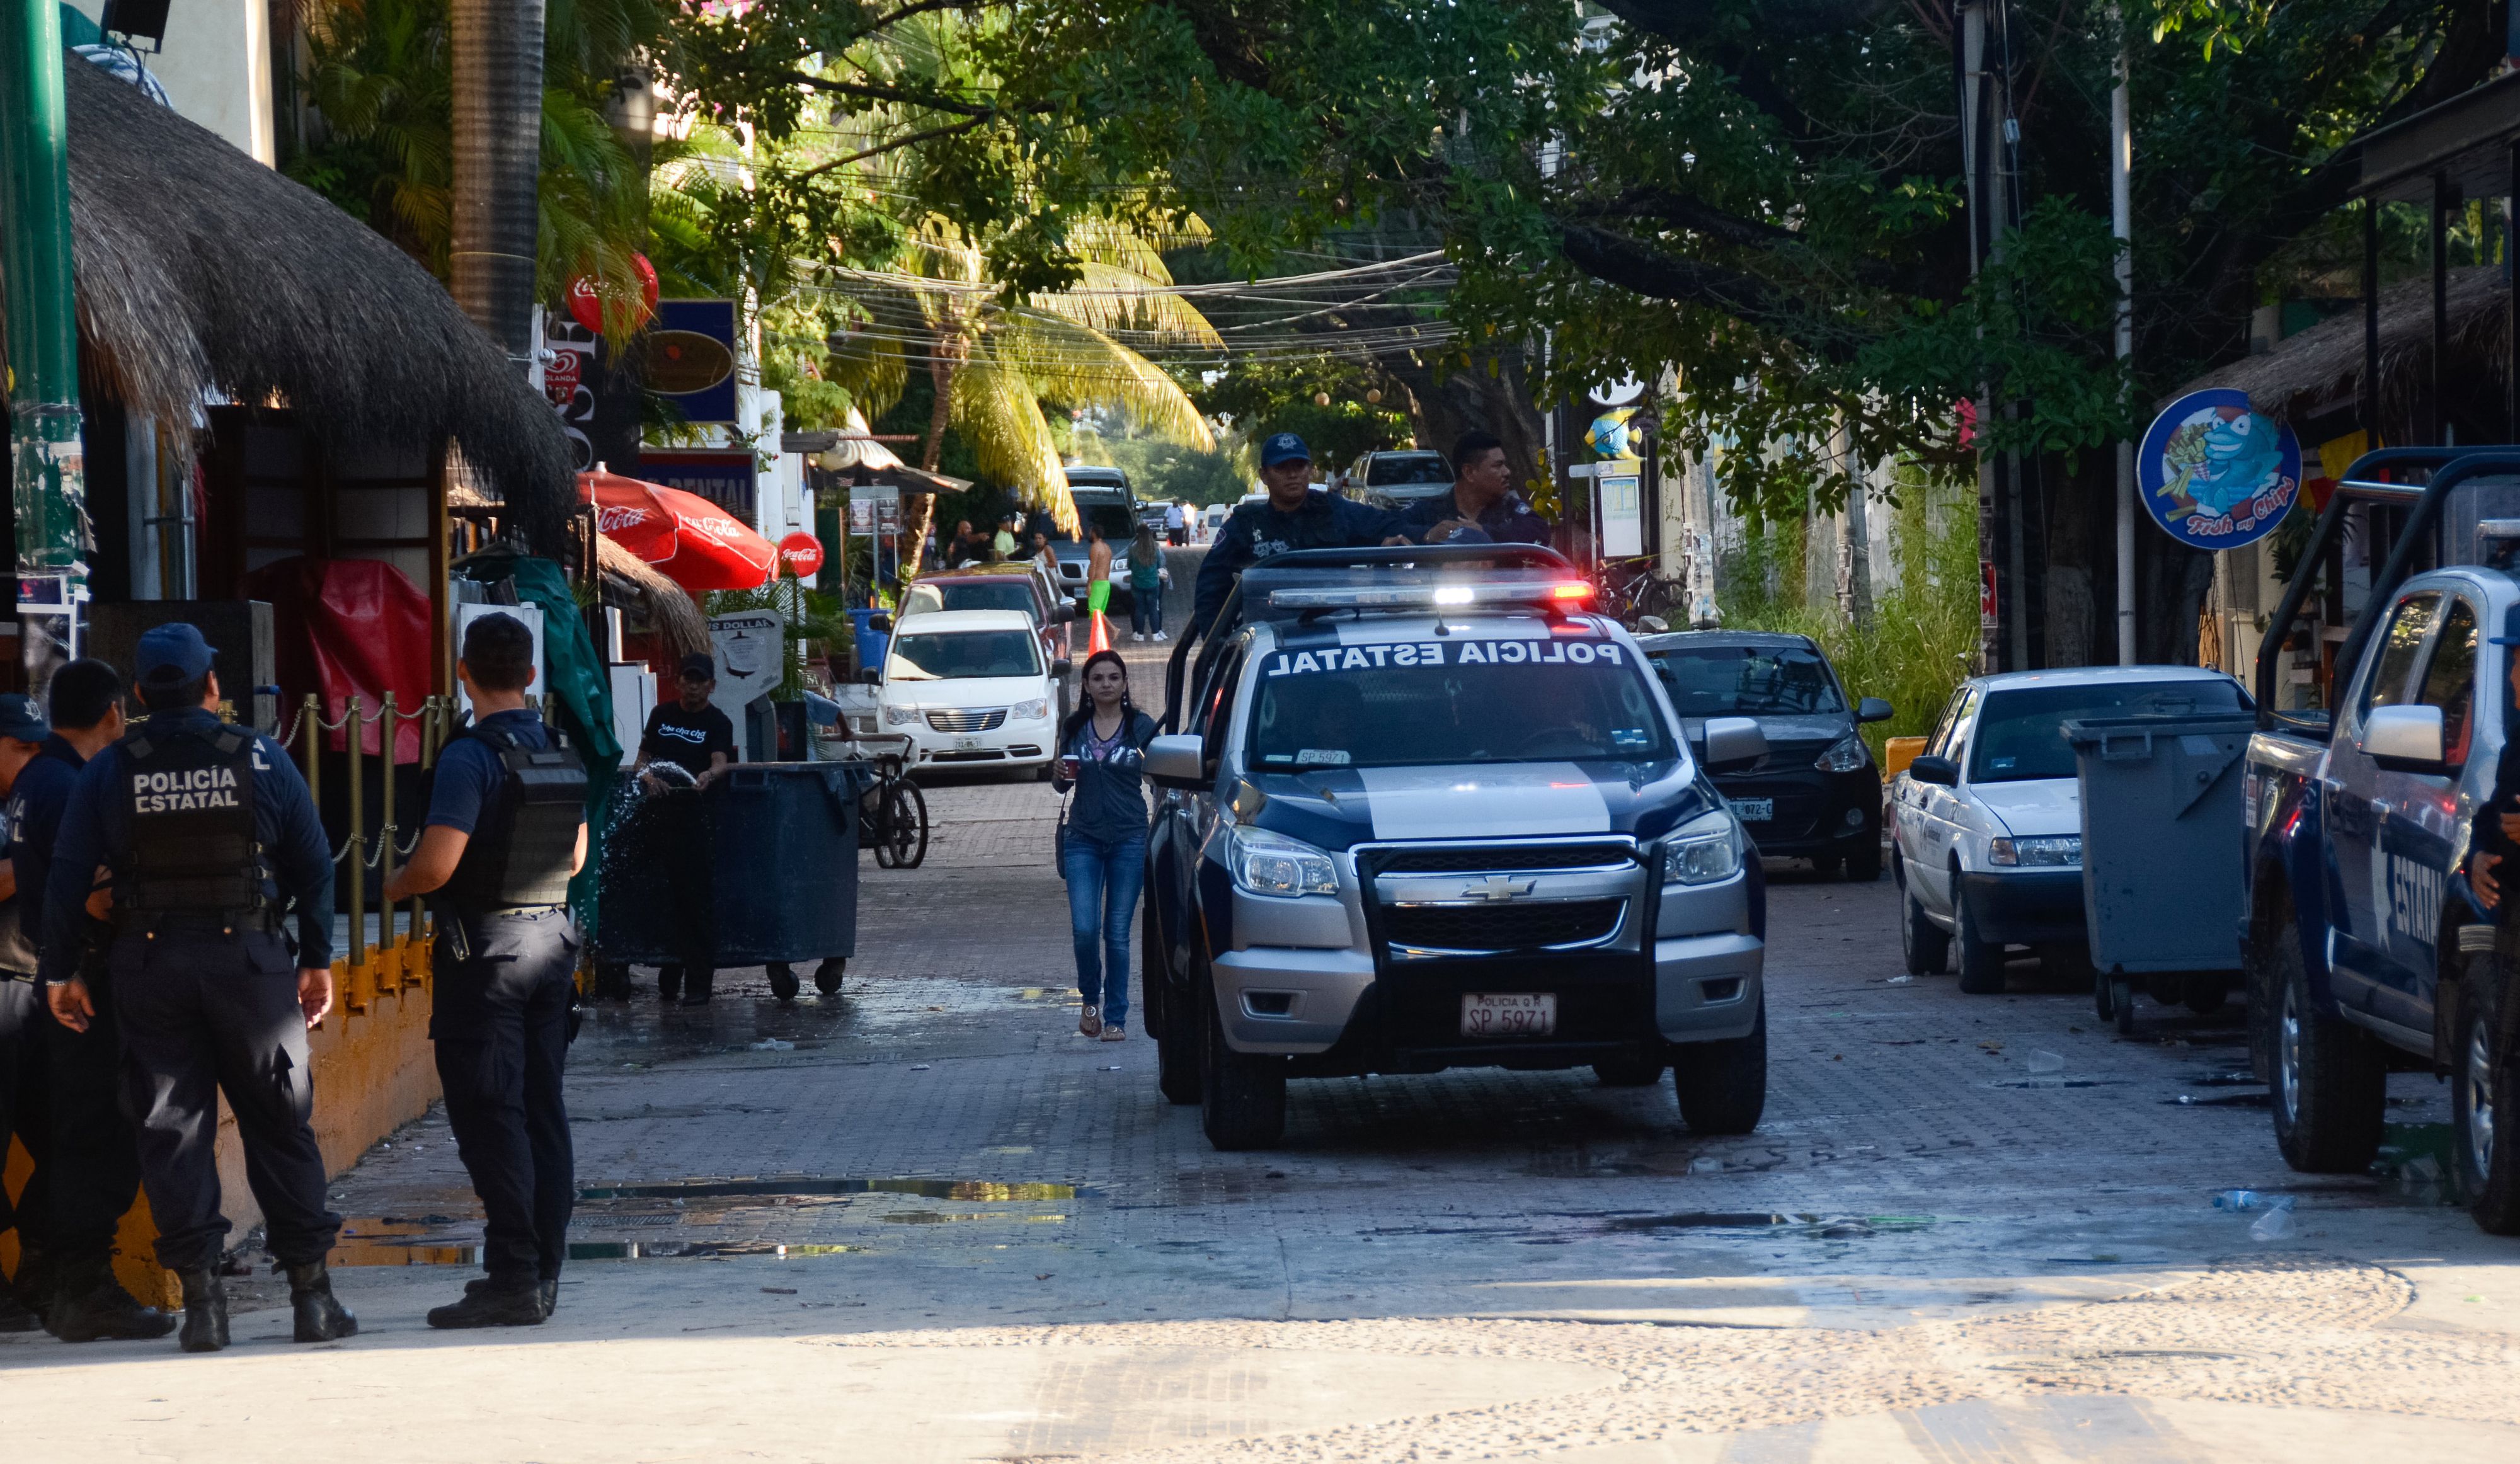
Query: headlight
[894,715]
[1707,851]
[2063,850]
[1845,755]
[1031,711]
[1271,864]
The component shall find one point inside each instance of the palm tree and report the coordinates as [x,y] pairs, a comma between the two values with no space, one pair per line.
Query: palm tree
[994,361]
[496,47]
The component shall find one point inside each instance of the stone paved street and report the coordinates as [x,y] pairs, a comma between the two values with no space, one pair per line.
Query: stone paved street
[925,1221]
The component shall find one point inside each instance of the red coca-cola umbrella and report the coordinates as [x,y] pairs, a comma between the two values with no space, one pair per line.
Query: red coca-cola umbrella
[691,541]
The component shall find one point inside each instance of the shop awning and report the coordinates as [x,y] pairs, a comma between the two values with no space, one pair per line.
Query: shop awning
[689,540]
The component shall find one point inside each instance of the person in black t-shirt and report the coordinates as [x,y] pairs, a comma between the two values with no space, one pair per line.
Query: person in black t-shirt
[699,739]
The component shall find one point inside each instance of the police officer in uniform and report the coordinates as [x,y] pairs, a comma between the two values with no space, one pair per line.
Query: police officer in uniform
[1293,516]
[93,1166]
[25,1094]
[506,830]
[203,830]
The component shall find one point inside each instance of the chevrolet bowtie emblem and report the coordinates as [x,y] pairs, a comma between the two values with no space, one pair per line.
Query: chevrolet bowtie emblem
[1498,887]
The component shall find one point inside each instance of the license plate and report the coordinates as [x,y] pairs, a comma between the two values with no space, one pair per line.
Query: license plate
[1754,810]
[968,744]
[1515,1014]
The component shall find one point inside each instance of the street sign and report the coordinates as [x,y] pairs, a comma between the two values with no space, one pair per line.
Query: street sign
[2215,473]
[802,553]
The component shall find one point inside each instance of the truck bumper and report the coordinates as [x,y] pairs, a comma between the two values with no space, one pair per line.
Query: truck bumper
[1707,987]
[1287,999]
[2027,907]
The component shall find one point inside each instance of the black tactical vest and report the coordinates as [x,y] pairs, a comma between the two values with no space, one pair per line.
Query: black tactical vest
[193,846]
[527,837]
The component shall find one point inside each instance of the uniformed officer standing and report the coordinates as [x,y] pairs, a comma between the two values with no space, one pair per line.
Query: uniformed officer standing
[1293,516]
[93,1166]
[25,1094]
[205,830]
[506,830]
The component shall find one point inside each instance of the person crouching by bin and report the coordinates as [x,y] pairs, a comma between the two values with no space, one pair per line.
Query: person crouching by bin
[506,831]
[205,829]
[687,745]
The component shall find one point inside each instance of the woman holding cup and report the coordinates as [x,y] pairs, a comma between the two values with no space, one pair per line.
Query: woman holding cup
[1102,837]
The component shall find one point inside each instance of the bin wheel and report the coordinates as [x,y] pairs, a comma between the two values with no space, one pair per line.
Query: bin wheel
[782,981]
[2104,997]
[2205,995]
[2122,1004]
[2331,1080]
[2485,1096]
[826,976]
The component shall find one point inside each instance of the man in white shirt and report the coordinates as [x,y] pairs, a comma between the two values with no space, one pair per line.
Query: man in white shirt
[1176,525]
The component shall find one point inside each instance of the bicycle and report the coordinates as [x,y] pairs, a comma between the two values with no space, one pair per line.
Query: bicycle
[893,815]
[1631,589]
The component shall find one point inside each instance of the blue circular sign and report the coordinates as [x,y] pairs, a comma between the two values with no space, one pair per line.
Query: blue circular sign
[2215,473]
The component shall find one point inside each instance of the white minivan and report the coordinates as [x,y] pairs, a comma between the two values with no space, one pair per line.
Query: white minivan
[971,688]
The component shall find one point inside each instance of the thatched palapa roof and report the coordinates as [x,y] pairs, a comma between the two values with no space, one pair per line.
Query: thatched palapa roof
[203,274]
[2319,370]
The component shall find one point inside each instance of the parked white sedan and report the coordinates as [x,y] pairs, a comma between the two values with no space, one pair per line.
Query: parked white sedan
[971,688]
[1985,825]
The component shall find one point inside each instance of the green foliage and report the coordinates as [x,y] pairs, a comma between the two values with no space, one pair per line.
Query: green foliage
[1267,396]
[806,615]
[1168,470]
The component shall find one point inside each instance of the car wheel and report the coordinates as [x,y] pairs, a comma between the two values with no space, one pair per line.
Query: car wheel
[1043,773]
[2330,1087]
[784,984]
[1176,1039]
[1981,960]
[2485,1086]
[1864,866]
[1629,1072]
[830,974]
[1828,866]
[1241,1096]
[1722,1085]
[1926,945]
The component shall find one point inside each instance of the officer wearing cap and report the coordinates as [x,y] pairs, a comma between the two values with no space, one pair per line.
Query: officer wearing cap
[204,833]
[24,1091]
[506,830]
[93,1168]
[1293,516]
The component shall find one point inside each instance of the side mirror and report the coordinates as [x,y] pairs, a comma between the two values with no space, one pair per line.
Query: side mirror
[1874,709]
[1733,743]
[882,624]
[2404,738]
[1061,667]
[1652,625]
[1941,771]
[1177,762]
[1063,612]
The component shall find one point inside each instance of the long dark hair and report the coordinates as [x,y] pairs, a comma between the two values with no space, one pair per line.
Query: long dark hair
[1085,703]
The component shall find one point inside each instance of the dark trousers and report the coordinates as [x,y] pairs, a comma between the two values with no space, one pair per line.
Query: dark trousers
[96,1154]
[205,1014]
[500,1025]
[26,1107]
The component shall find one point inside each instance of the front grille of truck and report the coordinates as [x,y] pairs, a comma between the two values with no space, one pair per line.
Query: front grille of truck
[1507,857]
[968,722]
[1524,925]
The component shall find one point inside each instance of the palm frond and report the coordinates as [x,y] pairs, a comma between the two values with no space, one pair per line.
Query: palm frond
[1069,362]
[999,414]
[1166,316]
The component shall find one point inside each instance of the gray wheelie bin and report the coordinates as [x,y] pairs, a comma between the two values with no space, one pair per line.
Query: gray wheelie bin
[2162,851]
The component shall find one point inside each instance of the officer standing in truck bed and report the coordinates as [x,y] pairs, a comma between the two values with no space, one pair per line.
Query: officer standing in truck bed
[207,831]
[506,830]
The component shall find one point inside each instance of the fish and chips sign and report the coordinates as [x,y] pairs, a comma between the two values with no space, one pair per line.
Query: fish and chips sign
[2215,473]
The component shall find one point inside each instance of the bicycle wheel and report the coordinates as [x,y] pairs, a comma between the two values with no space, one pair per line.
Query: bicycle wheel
[906,817]
[875,823]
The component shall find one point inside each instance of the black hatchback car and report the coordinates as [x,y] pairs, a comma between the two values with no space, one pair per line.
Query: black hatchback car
[1816,794]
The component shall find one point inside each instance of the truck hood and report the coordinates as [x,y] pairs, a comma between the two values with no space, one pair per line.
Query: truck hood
[2034,807]
[1338,807]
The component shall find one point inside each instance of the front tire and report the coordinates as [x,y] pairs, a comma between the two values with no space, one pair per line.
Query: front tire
[1176,1040]
[1981,962]
[1864,866]
[2330,1087]
[2485,1094]
[1722,1085]
[1242,1096]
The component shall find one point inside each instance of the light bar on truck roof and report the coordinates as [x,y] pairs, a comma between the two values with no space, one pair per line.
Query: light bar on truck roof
[1562,592]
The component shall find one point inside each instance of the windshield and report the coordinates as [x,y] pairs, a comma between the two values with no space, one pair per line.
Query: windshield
[1388,469]
[961,655]
[969,595]
[1105,507]
[1747,681]
[2021,735]
[1545,698]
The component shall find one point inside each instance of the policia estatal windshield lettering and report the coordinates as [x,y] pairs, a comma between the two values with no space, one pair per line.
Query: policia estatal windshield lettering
[505,833]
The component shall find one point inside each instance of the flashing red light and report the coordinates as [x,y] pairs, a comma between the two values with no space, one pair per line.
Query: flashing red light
[1577,590]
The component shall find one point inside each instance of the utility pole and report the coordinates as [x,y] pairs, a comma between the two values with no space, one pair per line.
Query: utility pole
[2122,225]
[1982,191]
[47,458]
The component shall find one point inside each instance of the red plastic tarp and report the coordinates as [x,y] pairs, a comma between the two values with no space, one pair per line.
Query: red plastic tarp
[689,540]
[346,627]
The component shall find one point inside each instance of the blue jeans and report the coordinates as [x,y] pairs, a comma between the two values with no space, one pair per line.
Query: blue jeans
[1146,611]
[1102,885]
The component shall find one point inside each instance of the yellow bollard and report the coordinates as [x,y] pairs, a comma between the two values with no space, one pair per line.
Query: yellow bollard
[355,867]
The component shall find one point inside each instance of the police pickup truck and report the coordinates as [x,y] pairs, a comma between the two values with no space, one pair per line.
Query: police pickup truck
[2365,948]
[1424,810]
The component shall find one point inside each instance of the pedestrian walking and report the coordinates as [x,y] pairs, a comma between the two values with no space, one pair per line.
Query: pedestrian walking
[1148,577]
[1102,837]
[506,831]
[1176,525]
[208,833]
[687,743]
[91,1168]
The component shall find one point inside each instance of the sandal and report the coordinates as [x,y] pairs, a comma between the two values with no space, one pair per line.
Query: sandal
[1090,1023]
[1115,1033]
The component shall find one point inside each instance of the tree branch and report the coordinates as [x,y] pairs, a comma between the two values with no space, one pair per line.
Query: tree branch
[1640,269]
[948,129]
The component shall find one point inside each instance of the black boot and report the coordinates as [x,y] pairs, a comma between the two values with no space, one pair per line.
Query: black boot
[38,1276]
[15,1318]
[548,1291]
[91,1306]
[669,983]
[493,1301]
[321,1318]
[698,983]
[205,1311]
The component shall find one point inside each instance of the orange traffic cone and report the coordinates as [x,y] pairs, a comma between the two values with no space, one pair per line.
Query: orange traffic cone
[1100,638]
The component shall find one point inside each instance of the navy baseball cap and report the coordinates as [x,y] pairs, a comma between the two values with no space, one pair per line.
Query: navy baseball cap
[21,719]
[1283,447]
[700,667]
[171,654]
